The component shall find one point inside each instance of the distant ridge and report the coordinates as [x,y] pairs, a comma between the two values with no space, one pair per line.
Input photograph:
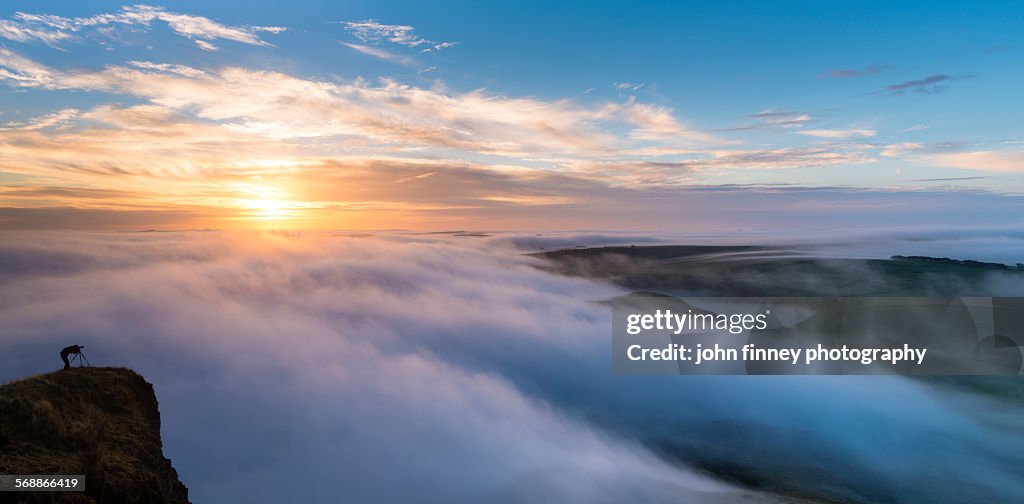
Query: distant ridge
[958,262]
[760,271]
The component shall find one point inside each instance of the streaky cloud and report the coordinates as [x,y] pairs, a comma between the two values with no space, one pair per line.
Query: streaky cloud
[54,30]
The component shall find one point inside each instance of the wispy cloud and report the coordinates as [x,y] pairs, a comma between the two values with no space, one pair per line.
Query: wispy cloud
[23,72]
[438,46]
[668,173]
[839,134]
[410,178]
[382,54]
[848,73]
[932,84]
[206,46]
[787,157]
[959,155]
[628,86]
[655,123]
[21,31]
[900,149]
[995,49]
[950,179]
[916,127]
[59,119]
[374,33]
[984,160]
[771,118]
[278,103]
[54,30]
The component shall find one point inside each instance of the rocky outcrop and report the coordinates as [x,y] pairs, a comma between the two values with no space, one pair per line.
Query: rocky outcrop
[100,422]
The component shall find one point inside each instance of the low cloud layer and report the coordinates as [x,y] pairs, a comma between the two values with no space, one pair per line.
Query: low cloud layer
[443,368]
[313,369]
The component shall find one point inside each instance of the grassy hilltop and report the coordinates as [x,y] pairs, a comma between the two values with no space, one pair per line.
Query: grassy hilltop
[101,422]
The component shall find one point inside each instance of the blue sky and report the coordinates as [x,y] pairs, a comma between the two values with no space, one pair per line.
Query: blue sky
[658,96]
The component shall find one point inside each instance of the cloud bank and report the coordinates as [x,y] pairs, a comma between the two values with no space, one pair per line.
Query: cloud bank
[446,368]
[342,388]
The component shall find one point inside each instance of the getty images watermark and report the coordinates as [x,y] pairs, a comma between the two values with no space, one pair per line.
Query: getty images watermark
[653,334]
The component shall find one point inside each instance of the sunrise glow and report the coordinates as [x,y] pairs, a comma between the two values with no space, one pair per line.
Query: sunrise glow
[147,116]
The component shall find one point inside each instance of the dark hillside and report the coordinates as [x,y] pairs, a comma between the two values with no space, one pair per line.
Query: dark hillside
[101,422]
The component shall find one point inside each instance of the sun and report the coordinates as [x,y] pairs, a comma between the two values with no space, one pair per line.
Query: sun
[270,208]
[265,202]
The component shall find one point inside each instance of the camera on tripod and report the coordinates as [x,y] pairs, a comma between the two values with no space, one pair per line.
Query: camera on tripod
[76,353]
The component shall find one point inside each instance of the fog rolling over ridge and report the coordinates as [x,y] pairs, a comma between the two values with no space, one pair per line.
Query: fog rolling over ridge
[439,368]
[725,271]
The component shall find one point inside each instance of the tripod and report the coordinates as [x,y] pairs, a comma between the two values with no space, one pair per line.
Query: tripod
[82,361]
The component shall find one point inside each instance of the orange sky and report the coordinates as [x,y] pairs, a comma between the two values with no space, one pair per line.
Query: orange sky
[110,122]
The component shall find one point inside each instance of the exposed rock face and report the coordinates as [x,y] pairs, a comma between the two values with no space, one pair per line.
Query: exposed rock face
[100,422]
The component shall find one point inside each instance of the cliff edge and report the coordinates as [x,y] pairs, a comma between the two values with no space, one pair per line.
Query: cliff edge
[100,422]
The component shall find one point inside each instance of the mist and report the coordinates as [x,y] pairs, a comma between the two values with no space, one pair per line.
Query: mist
[441,368]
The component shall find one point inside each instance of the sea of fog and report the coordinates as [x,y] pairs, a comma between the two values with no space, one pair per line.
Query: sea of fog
[447,368]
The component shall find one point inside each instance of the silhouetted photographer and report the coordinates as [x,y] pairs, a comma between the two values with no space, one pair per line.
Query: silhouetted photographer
[76,352]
